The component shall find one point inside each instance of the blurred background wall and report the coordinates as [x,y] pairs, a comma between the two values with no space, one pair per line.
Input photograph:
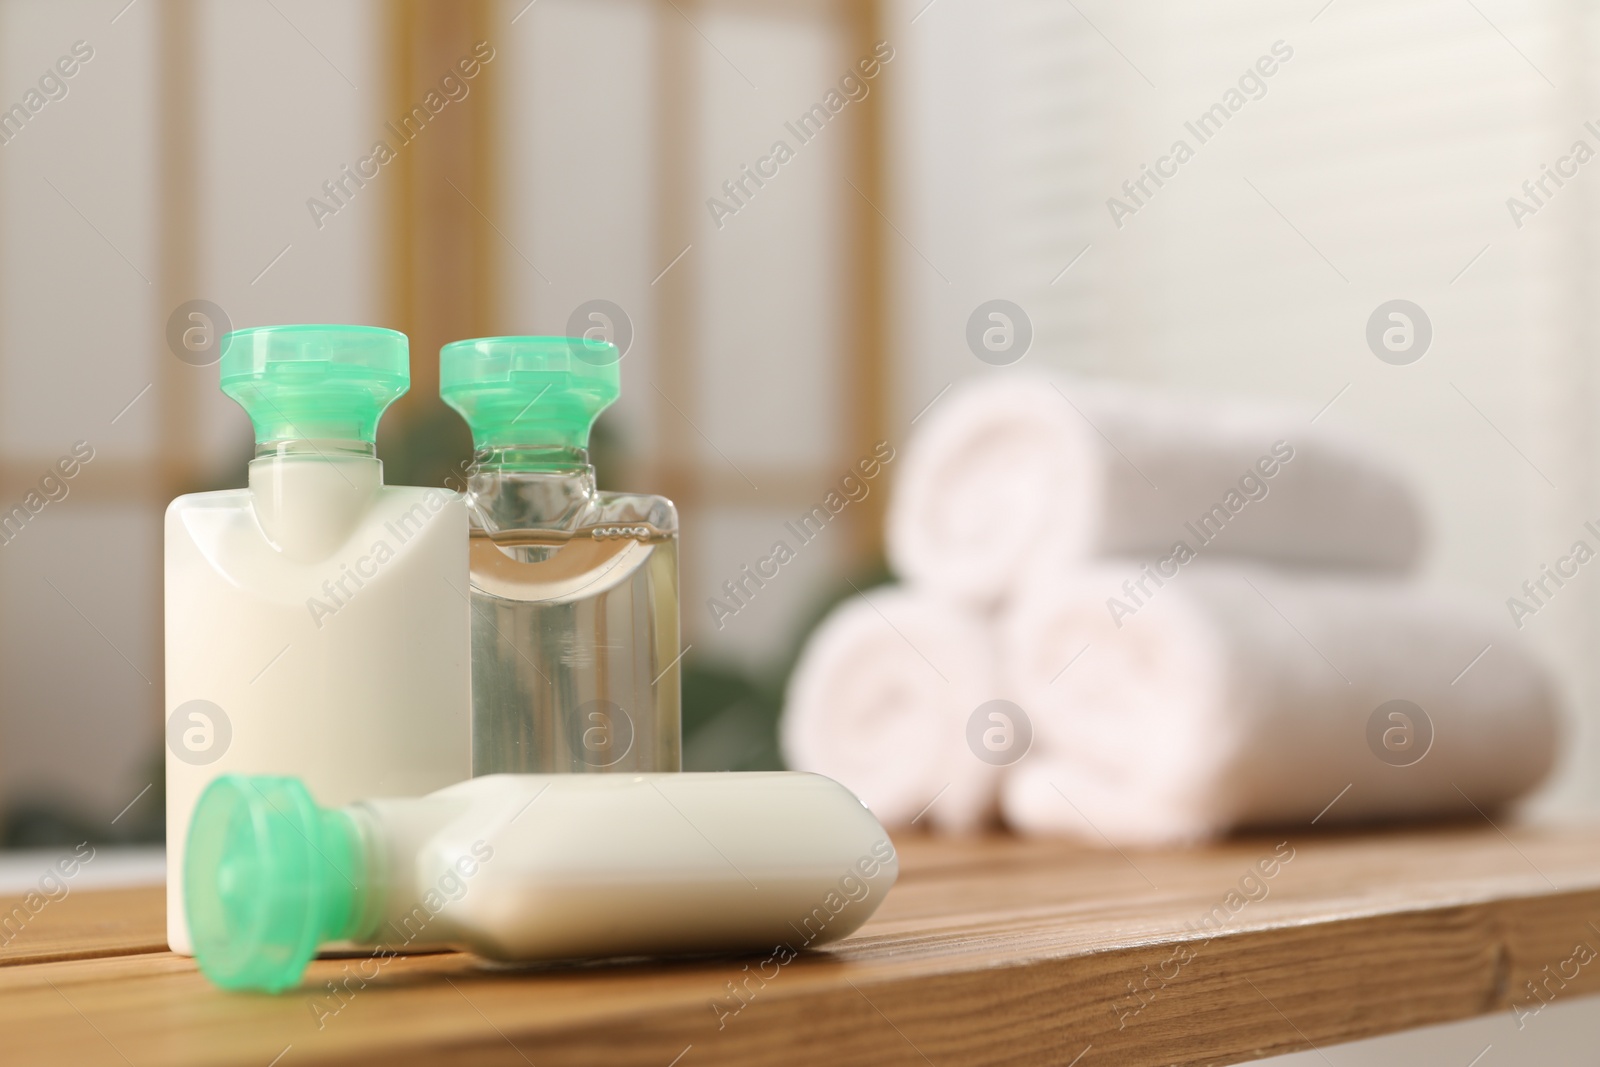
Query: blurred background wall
[776,332]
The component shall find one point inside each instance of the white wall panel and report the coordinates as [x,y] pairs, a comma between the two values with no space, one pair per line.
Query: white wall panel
[579,199]
[78,255]
[770,316]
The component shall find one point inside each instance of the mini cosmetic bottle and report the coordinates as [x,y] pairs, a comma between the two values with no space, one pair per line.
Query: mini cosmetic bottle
[530,867]
[574,590]
[316,621]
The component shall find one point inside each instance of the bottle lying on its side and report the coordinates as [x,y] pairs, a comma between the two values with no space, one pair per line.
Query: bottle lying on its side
[530,867]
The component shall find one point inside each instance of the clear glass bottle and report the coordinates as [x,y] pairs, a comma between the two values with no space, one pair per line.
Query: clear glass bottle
[574,591]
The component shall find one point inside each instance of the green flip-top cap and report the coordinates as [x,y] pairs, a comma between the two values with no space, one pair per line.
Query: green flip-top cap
[529,391]
[267,877]
[315,382]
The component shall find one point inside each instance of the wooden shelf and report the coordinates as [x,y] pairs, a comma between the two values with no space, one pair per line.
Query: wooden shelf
[988,951]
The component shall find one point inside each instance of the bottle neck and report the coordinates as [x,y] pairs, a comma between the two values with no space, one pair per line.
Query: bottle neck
[328,448]
[309,495]
[529,487]
[404,876]
[360,886]
[533,459]
[353,879]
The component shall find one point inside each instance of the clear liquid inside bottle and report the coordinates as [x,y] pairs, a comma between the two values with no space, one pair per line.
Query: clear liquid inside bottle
[574,624]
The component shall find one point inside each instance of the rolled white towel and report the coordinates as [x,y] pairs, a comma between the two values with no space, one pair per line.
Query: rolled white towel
[880,701]
[1014,470]
[1232,696]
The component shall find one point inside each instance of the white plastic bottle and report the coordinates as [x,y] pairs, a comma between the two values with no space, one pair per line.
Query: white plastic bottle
[317,621]
[531,867]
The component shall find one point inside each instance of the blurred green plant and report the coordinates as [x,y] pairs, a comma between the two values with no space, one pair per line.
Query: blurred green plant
[730,712]
[47,822]
[427,449]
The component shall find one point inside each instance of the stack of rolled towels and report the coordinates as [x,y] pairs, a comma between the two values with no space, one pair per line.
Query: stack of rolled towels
[1141,620]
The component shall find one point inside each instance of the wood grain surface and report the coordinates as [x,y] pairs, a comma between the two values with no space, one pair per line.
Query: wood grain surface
[988,951]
